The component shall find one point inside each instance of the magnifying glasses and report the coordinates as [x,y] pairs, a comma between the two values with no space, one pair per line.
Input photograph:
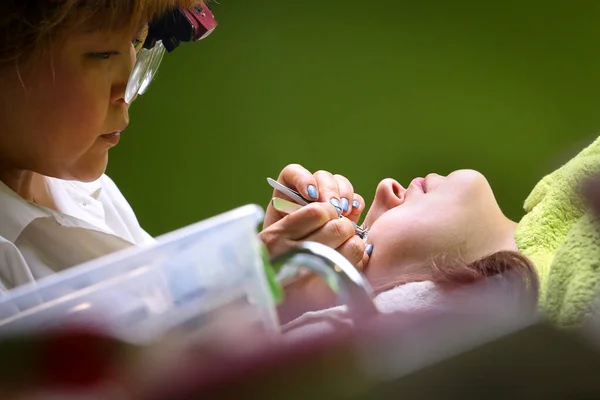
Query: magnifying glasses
[164,35]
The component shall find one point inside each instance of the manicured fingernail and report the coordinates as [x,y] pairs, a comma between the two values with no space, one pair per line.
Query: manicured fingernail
[369,249]
[345,204]
[337,205]
[312,192]
[355,204]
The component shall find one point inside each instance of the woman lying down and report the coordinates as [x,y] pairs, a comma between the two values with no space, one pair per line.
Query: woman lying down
[431,242]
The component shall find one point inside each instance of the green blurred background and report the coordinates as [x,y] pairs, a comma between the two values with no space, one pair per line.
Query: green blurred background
[364,89]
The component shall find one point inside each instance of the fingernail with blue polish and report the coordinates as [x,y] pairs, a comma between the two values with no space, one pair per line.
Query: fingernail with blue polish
[369,249]
[345,204]
[338,210]
[355,204]
[312,192]
[337,205]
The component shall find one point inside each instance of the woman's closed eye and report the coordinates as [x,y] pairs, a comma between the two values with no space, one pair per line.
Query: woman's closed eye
[104,55]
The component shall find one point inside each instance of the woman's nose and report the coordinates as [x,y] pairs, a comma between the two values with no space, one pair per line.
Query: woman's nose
[389,194]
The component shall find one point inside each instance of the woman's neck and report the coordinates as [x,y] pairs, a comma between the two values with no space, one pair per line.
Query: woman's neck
[30,185]
[501,239]
[509,238]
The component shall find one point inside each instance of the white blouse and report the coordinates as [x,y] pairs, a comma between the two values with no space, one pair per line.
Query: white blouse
[94,220]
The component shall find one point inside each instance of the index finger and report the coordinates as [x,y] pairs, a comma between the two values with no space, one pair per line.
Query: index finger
[300,179]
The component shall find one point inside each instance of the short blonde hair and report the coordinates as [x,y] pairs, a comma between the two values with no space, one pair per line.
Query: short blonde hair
[27,27]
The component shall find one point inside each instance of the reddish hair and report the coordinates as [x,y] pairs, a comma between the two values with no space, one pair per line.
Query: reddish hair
[454,273]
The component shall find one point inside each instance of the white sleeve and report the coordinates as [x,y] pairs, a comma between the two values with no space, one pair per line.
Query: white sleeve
[14,270]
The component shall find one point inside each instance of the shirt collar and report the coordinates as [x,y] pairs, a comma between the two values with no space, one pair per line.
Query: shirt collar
[92,189]
[17,213]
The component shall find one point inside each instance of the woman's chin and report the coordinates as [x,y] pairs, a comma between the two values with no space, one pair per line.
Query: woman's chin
[374,270]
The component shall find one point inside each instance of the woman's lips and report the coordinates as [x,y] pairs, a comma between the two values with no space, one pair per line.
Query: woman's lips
[112,138]
[420,184]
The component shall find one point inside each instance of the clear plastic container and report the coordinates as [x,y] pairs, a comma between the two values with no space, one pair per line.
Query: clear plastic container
[207,273]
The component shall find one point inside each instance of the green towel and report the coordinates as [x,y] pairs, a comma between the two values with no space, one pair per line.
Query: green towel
[559,235]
